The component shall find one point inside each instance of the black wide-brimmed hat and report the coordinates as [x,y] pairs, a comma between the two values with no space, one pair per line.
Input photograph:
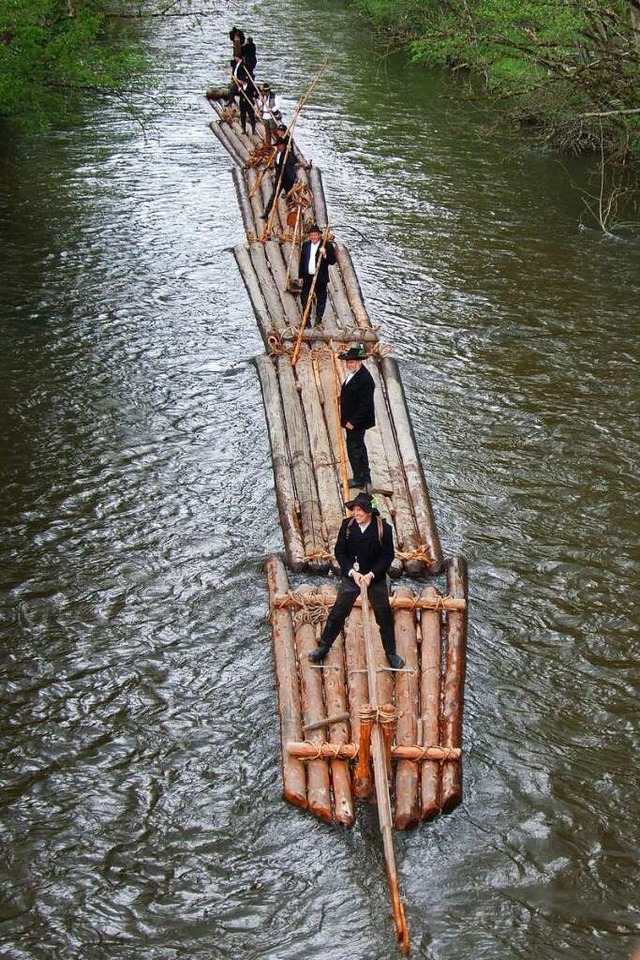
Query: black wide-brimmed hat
[366,502]
[314,228]
[357,352]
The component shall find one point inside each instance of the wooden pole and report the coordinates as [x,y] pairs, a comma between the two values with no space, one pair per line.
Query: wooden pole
[289,136]
[307,309]
[382,782]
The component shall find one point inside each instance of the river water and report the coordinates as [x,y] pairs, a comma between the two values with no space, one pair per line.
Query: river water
[140,791]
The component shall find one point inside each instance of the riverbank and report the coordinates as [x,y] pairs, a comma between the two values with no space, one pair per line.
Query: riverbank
[567,74]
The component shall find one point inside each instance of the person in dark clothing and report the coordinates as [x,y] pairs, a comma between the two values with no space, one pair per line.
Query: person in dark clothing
[364,550]
[237,39]
[315,258]
[285,174]
[249,56]
[357,412]
[247,92]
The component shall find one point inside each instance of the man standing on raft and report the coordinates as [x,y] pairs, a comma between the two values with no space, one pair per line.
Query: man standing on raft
[357,413]
[364,550]
[316,257]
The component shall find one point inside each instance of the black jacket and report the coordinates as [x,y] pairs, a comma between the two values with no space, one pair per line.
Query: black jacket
[356,401]
[285,171]
[372,556]
[325,262]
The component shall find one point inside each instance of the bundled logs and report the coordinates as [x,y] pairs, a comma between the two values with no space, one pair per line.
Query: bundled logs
[325,721]
[335,719]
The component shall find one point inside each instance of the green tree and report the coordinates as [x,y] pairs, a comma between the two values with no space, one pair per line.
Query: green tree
[53,51]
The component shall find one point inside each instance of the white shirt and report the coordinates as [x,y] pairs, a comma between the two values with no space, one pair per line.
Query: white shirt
[313,250]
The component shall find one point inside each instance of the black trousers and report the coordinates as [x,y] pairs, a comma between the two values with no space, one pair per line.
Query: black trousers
[247,110]
[358,456]
[286,186]
[348,593]
[321,297]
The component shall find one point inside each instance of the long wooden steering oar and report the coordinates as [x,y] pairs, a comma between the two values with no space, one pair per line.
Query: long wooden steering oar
[381,780]
[307,309]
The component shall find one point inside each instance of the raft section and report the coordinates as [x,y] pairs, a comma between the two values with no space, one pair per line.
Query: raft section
[325,711]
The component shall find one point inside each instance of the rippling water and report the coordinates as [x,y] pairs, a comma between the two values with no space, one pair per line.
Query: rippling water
[140,793]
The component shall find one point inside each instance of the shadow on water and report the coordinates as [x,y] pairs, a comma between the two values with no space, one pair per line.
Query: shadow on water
[140,790]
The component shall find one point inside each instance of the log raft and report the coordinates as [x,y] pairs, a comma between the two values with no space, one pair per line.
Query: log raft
[321,707]
[351,728]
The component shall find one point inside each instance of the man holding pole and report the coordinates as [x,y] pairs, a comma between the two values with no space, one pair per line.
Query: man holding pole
[357,412]
[316,256]
[284,171]
[364,551]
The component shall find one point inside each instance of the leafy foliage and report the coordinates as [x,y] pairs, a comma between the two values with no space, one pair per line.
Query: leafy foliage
[53,50]
[571,66]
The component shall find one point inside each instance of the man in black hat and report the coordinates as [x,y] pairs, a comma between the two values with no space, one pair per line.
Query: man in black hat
[357,412]
[316,257]
[364,550]
[285,173]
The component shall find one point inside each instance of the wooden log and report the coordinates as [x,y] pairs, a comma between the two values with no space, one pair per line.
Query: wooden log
[248,274]
[407,773]
[357,689]
[326,366]
[407,538]
[317,549]
[244,203]
[268,286]
[294,777]
[363,773]
[254,196]
[345,319]
[318,782]
[416,483]
[430,680]
[383,797]
[352,287]
[402,599]
[336,702]
[328,722]
[453,694]
[323,457]
[304,750]
[333,335]
[278,269]
[235,138]
[282,470]
[237,158]
[321,215]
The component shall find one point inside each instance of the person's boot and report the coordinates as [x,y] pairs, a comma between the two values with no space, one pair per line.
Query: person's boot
[395,661]
[318,655]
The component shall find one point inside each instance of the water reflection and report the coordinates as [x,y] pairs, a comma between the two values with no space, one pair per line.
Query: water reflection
[140,789]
